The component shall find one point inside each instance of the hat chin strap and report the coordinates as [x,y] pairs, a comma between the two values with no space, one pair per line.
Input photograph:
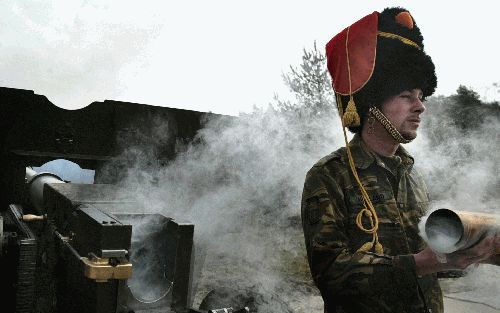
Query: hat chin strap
[388,125]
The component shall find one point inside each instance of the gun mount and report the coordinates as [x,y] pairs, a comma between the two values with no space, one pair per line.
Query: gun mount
[68,247]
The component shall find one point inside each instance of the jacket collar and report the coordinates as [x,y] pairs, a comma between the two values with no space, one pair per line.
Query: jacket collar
[363,156]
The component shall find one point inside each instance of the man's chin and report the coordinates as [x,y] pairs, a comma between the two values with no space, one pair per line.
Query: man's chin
[409,135]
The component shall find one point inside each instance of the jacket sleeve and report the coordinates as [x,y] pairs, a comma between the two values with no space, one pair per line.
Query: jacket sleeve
[336,267]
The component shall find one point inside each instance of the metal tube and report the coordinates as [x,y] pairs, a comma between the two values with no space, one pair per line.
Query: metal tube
[35,183]
[448,230]
[29,173]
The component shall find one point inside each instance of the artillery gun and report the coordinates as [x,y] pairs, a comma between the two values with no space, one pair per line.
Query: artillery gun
[72,247]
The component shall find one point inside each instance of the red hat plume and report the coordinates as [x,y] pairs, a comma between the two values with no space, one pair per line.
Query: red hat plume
[351,55]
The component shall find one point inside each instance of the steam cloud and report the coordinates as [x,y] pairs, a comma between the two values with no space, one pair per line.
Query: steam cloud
[461,169]
[241,186]
[241,183]
[442,236]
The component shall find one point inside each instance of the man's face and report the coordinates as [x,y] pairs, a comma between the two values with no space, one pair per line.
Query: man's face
[403,110]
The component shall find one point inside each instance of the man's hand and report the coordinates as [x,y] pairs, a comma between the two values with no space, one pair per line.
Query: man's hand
[486,251]
[480,252]
[495,258]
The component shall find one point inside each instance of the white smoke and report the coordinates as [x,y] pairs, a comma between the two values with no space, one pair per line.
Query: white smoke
[460,166]
[442,235]
[241,183]
[461,170]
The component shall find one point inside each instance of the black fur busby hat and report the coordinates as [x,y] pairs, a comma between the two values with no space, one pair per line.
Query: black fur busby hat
[378,57]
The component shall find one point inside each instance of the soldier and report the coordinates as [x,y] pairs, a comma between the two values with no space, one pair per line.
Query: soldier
[361,204]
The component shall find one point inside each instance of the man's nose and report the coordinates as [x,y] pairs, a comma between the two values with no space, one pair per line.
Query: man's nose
[419,106]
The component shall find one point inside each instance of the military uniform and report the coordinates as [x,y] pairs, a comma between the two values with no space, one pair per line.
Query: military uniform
[359,282]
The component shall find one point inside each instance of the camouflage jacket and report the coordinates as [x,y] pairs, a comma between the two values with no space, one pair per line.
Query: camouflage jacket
[357,282]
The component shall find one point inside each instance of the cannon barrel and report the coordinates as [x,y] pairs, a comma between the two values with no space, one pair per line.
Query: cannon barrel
[448,230]
[35,184]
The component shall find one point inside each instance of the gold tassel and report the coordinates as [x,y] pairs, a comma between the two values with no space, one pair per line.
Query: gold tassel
[366,247]
[351,117]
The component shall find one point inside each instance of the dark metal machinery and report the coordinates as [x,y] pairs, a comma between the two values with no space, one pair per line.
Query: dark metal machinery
[68,247]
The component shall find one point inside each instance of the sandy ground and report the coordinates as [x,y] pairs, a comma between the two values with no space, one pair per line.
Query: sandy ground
[479,292]
[461,306]
[286,286]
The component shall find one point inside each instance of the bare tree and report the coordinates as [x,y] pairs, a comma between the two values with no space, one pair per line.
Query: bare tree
[310,84]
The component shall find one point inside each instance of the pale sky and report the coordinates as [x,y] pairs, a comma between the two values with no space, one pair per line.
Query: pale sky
[219,56]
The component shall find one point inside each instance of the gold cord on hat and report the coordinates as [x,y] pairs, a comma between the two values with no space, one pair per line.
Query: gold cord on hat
[401,38]
[369,209]
[388,125]
[351,117]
